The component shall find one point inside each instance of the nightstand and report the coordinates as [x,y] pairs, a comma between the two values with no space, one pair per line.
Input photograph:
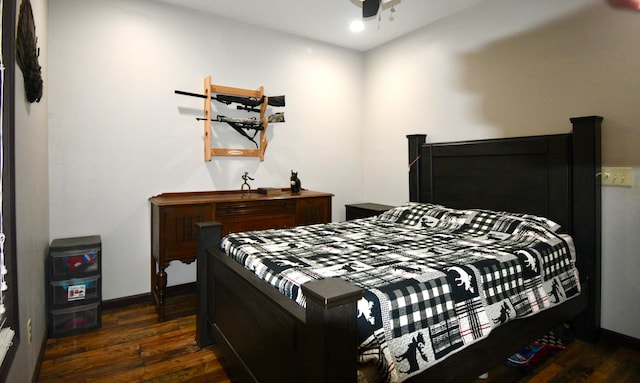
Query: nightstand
[365,210]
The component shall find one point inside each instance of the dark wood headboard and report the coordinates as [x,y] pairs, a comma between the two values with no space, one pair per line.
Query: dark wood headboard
[523,175]
[556,176]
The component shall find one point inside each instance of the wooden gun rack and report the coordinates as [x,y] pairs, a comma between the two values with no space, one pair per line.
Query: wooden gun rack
[209,151]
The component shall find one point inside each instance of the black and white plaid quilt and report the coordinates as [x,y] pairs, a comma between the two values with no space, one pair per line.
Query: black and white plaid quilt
[436,279]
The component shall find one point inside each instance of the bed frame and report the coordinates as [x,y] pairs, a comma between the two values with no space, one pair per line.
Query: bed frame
[264,336]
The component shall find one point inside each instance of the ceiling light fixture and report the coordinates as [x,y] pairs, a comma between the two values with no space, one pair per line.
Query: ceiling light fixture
[356,26]
[373,8]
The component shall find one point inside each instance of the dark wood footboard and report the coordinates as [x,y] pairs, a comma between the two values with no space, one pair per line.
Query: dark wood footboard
[208,237]
[266,337]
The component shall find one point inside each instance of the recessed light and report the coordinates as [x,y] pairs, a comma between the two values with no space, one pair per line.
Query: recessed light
[356,26]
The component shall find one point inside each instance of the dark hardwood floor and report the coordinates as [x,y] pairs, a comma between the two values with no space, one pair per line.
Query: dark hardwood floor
[132,346]
[580,362]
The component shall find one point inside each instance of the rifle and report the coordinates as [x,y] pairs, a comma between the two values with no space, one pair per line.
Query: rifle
[242,124]
[246,103]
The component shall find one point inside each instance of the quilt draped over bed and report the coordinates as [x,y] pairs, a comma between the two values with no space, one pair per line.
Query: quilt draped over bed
[436,279]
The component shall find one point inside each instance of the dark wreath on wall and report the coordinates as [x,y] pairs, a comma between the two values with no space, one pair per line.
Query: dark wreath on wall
[27,53]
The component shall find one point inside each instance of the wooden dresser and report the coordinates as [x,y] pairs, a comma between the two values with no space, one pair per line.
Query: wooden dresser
[173,218]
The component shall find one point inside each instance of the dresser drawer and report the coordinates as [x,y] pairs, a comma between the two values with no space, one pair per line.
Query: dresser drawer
[261,222]
[255,215]
[253,208]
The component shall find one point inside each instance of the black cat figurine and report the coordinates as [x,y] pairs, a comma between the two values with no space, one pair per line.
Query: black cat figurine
[295,183]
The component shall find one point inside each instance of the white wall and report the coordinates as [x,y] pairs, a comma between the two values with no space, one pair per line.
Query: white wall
[32,208]
[119,135]
[510,68]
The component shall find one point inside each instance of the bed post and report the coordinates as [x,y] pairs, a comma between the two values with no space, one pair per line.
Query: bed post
[209,235]
[331,331]
[415,186]
[586,220]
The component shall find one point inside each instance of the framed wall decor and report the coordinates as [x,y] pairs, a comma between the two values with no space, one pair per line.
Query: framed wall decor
[27,53]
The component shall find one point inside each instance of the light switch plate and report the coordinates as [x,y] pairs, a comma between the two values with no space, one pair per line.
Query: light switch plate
[617,176]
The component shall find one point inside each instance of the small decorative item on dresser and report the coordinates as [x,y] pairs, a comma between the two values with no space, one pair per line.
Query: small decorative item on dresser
[269,191]
[295,182]
[246,177]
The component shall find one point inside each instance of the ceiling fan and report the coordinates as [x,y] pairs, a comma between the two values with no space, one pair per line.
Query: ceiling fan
[370,8]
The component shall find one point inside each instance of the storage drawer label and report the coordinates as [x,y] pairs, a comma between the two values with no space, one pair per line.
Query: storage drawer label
[76,292]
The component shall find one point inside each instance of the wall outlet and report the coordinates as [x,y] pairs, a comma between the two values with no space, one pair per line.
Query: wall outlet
[617,176]
[29,330]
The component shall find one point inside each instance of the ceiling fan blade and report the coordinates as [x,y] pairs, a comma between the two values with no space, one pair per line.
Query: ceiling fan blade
[370,8]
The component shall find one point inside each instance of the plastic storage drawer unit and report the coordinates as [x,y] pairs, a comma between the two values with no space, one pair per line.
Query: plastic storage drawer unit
[75,289]
[75,256]
[75,320]
[74,285]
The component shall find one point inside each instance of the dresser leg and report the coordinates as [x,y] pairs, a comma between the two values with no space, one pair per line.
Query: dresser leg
[161,286]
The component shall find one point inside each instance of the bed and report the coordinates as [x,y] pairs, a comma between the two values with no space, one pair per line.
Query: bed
[265,336]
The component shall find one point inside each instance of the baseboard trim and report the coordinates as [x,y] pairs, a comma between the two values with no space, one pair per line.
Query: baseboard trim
[183,289]
[621,339]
